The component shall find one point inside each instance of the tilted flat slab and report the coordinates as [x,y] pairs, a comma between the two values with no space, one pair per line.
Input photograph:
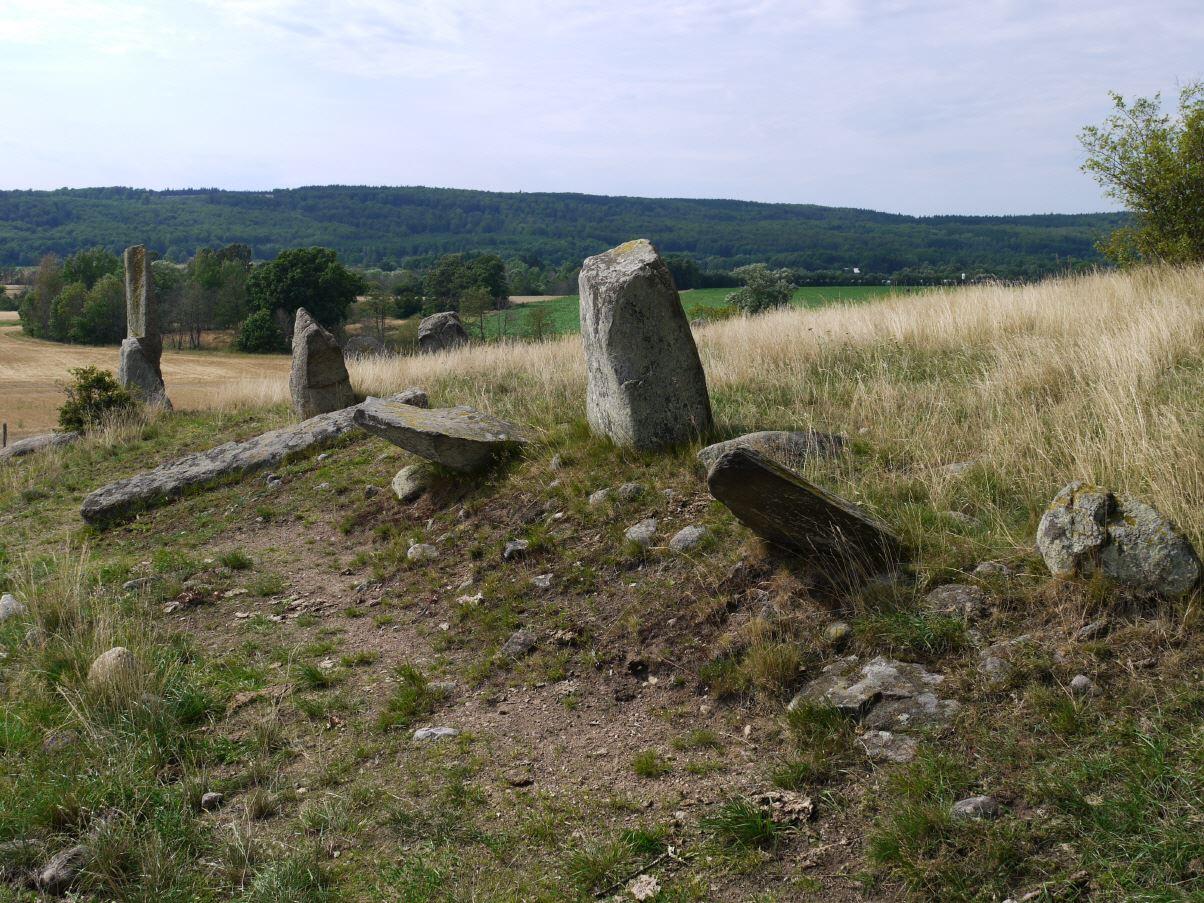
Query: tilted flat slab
[124,498]
[23,447]
[460,438]
[787,510]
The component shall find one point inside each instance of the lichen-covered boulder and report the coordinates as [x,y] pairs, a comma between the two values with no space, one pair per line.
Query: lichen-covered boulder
[645,387]
[32,444]
[113,669]
[138,370]
[790,448]
[441,332]
[1089,529]
[459,438]
[318,380]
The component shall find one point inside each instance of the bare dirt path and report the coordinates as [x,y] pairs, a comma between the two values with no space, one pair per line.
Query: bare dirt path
[32,372]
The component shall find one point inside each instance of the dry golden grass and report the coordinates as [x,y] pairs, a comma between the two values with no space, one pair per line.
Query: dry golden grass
[32,373]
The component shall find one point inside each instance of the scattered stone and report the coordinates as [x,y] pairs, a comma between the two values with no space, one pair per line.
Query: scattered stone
[1093,631]
[519,644]
[519,776]
[785,509]
[32,444]
[557,463]
[371,492]
[459,438]
[645,386]
[687,538]
[998,671]
[787,807]
[412,481]
[139,367]
[57,741]
[515,549]
[441,332]
[629,492]
[422,551]
[123,498]
[956,469]
[960,518]
[542,581]
[364,346]
[977,807]
[11,607]
[324,456]
[415,396]
[993,569]
[599,497]
[436,733]
[112,668]
[211,801]
[791,449]
[837,633]
[961,600]
[884,746]
[643,533]
[1088,529]
[644,887]
[318,380]
[884,693]
[57,875]
[1082,685]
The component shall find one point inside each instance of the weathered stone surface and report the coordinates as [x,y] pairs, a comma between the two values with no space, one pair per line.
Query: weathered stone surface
[645,385]
[856,689]
[459,438]
[212,800]
[687,538]
[961,600]
[1089,529]
[518,644]
[515,549]
[412,481]
[837,633]
[643,533]
[785,509]
[885,746]
[436,733]
[169,481]
[975,807]
[441,332]
[57,875]
[318,380]
[790,448]
[11,607]
[364,346]
[629,492]
[112,668]
[422,551]
[599,497]
[1082,685]
[138,370]
[32,444]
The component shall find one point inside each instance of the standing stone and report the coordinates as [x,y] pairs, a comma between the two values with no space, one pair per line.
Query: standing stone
[318,380]
[139,369]
[441,332]
[645,386]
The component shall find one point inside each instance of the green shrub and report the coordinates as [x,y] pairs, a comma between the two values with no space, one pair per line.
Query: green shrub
[260,335]
[92,395]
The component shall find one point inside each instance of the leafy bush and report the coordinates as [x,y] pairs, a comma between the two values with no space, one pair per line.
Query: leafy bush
[259,334]
[763,288]
[92,395]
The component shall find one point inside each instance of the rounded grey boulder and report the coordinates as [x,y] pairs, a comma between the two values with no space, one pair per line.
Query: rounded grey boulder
[441,332]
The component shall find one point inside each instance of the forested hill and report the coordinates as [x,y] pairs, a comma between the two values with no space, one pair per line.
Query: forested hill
[392,226]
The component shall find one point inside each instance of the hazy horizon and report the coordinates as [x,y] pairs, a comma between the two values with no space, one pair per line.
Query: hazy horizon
[921,109]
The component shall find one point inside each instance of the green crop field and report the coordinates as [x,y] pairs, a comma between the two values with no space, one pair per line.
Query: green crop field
[562,314]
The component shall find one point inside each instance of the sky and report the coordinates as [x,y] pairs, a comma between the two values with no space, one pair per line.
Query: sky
[937,106]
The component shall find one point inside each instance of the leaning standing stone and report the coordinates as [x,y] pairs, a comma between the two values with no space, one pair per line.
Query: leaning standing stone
[139,369]
[644,381]
[318,380]
[458,438]
[441,332]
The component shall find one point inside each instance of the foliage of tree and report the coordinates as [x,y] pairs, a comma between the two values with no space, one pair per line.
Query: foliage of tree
[1153,163]
[259,334]
[552,233]
[763,288]
[311,278]
[455,276]
[93,395]
[90,265]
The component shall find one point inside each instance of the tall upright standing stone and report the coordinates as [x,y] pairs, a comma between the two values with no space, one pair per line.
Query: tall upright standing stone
[318,380]
[644,381]
[142,348]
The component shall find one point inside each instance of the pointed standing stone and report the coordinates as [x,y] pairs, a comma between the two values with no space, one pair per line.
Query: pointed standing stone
[441,331]
[318,379]
[644,381]
[142,349]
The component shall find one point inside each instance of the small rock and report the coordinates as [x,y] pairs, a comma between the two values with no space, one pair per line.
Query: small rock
[371,492]
[961,600]
[436,733]
[57,875]
[519,776]
[644,887]
[422,551]
[1093,631]
[56,741]
[10,607]
[687,538]
[212,800]
[542,581]
[993,569]
[520,643]
[960,518]
[325,456]
[837,633]
[629,492]
[557,463]
[322,486]
[599,497]
[996,670]
[956,469]
[975,807]
[411,482]
[515,549]
[272,478]
[137,584]
[112,667]
[885,746]
[643,533]
[1082,685]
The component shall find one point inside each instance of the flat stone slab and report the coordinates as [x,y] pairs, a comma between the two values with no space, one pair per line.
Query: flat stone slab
[787,510]
[124,498]
[858,689]
[32,444]
[790,448]
[459,438]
